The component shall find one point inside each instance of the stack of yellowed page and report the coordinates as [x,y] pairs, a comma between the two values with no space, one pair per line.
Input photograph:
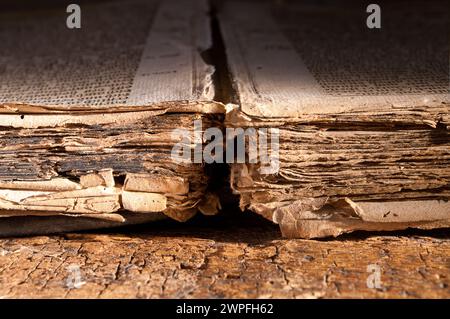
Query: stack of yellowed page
[337,123]
[356,120]
[87,115]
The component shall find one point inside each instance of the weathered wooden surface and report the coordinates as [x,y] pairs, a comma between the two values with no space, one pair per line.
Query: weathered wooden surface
[241,258]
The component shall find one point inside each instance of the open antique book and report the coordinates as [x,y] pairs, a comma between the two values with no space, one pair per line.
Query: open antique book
[87,116]
[363,116]
[359,118]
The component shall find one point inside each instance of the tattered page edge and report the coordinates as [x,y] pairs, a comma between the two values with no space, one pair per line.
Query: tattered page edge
[195,106]
[97,196]
[322,217]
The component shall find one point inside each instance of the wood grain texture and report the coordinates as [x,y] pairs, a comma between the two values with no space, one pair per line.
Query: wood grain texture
[244,258]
